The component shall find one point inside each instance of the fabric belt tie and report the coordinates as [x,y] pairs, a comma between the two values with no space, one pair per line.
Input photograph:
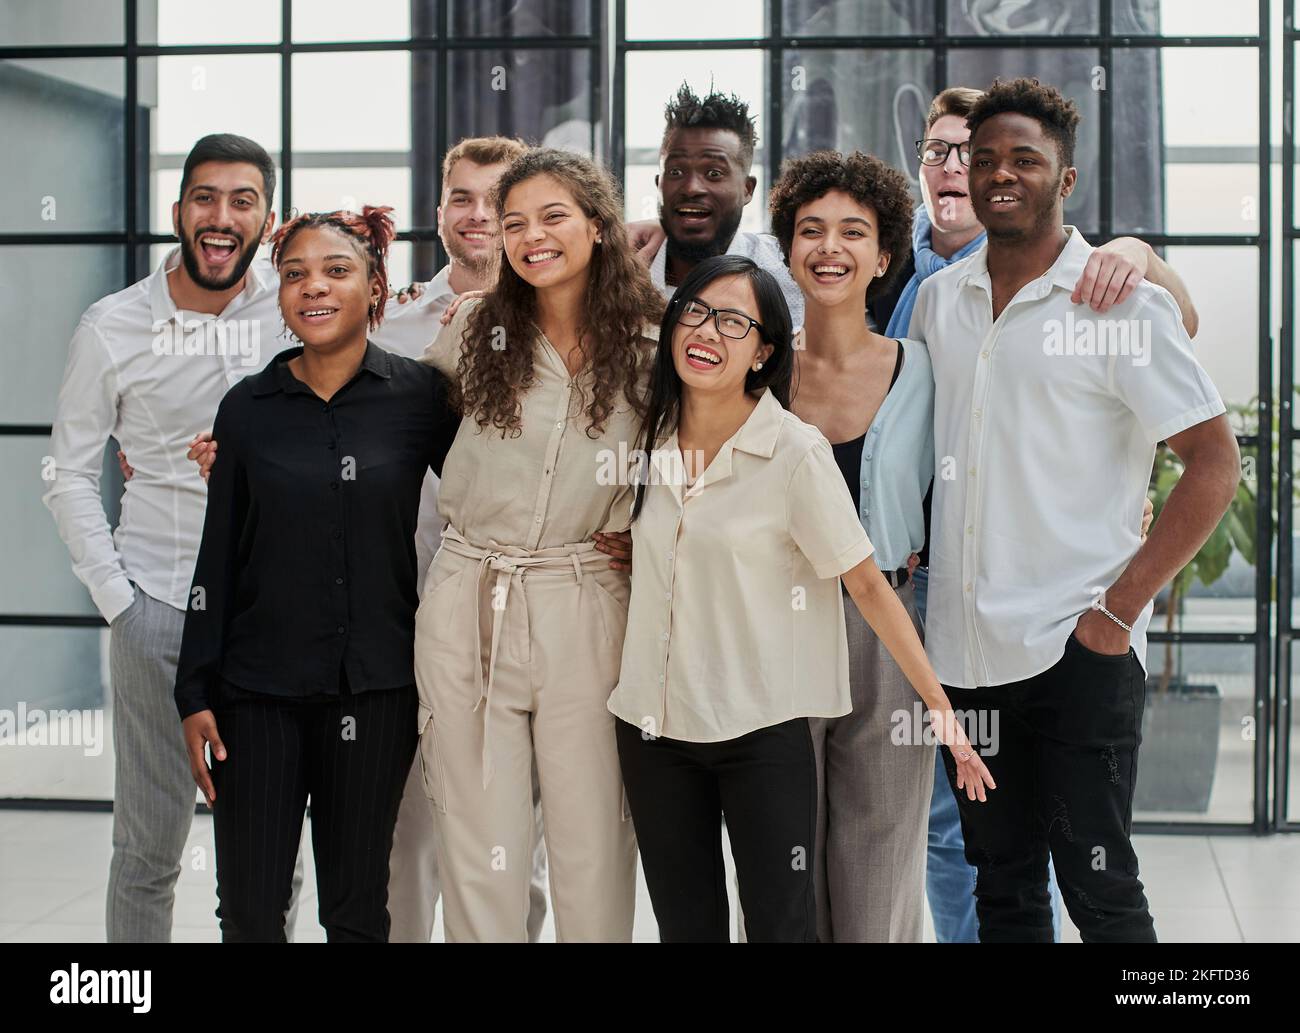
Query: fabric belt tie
[501,568]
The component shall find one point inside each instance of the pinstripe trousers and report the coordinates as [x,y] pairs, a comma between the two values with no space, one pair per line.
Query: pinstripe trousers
[874,811]
[154,792]
[350,755]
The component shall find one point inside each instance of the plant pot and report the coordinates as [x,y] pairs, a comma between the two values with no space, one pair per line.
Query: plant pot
[1180,747]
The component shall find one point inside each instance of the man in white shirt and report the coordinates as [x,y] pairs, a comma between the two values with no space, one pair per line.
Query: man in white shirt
[704,184]
[148,366]
[1046,421]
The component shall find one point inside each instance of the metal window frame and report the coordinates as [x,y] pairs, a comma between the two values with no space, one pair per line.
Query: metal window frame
[775,42]
[609,47]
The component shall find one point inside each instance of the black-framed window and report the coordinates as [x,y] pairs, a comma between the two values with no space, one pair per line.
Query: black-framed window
[113,92]
[102,99]
[1163,154]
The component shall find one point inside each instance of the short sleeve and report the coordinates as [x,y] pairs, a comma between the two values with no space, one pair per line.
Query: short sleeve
[1159,379]
[443,353]
[821,517]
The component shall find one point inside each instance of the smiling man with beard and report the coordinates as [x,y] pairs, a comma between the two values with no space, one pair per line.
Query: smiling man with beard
[704,184]
[118,383]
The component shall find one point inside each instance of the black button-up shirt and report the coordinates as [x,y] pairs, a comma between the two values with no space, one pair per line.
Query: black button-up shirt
[306,569]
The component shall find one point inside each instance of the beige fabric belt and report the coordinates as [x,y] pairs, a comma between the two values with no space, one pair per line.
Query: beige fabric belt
[501,568]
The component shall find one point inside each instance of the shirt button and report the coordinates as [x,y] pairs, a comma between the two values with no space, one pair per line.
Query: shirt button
[970,530]
[338,581]
[665,636]
[661,679]
[984,355]
[868,455]
[977,414]
[330,446]
[341,629]
[559,425]
[972,471]
[337,534]
[670,555]
[538,520]
[968,586]
[668,596]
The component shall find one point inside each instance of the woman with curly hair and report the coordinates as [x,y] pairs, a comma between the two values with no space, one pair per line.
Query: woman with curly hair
[520,631]
[844,223]
[296,659]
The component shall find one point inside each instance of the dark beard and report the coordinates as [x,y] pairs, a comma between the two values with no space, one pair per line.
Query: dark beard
[192,262]
[693,252]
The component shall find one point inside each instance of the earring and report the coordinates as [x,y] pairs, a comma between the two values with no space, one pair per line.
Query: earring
[758,365]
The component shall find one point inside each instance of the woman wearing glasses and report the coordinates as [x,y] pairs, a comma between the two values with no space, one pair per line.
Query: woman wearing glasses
[742,528]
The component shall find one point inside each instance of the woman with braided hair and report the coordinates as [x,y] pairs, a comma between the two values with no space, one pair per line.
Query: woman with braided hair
[296,660]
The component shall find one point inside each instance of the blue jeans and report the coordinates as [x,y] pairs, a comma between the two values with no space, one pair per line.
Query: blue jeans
[949,880]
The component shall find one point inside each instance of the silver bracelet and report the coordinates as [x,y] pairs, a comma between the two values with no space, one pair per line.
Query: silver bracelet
[1126,627]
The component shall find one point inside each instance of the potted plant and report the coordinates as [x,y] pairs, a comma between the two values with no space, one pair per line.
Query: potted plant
[1180,723]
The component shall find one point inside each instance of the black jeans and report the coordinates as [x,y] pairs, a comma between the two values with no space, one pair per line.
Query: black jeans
[1066,766]
[765,784]
[350,754]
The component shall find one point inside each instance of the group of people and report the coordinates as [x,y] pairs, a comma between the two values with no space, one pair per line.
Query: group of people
[499,686]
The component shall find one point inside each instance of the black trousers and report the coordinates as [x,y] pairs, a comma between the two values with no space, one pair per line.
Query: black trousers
[350,754]
[1066,766]
[765,784]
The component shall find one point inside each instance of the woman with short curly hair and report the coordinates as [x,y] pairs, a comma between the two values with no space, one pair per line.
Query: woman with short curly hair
[520,631]
[845,224]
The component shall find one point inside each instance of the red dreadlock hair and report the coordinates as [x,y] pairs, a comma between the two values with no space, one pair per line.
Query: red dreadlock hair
[371,232]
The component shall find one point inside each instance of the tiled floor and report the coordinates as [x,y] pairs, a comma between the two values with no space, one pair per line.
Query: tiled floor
[54,865]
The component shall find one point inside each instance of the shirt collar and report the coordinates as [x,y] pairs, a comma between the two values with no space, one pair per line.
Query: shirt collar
[260,278]
[756,436]
[1064,272]
[277,376]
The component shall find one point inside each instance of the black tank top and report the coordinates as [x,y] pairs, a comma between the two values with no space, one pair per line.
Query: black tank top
[848,454]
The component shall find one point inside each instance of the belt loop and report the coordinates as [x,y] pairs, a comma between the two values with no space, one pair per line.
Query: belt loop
[577,567]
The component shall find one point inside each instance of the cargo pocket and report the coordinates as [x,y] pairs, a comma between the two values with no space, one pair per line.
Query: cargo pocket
[431,760]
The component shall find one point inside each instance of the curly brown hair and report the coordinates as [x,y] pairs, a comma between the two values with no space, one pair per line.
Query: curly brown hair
[866,179]
[1058,115]
[618,303]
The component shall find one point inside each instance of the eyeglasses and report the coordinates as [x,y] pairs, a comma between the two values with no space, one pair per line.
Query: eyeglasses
[729,322]
[935,152]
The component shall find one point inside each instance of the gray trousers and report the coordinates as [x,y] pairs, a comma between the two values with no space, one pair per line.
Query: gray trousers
[153,793]
[414,884]
[873,801]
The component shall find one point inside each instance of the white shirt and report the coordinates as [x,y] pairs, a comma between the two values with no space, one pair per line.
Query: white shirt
[151,376]
[766,254]
[736,619]
[1043,452]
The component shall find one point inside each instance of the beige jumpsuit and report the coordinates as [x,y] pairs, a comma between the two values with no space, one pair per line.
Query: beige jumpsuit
[518,644]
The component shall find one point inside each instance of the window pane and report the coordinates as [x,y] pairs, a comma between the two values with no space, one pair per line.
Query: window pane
[686,19]
[1074,73]
[192,96]
[24,23]
[652,80]
[845,100]
[67,175]
[43,292]
[328,21]
[854,18]
[520,18]
[1025,18]
[1224,285]
[49,669]
[324,190]
[1196,762]
[1185,18]
[331,114]
[38,571]
[543,96]
[183,22]
[1293,760]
